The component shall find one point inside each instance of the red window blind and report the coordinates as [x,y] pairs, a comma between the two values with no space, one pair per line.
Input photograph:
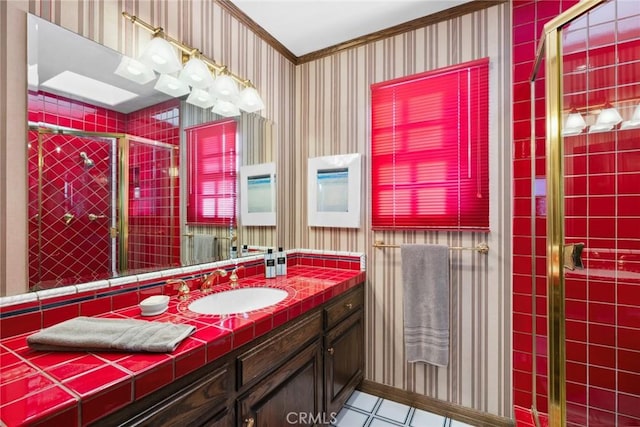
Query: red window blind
[212,178]
[429,150]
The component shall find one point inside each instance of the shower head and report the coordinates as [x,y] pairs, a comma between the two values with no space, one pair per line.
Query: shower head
[88,163]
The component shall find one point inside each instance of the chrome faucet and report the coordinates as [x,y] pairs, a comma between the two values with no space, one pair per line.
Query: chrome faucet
[233,279]
[208,282]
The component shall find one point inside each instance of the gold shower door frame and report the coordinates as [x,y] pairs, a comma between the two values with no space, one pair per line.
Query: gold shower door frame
[124,146]
[550,49]
[121,231]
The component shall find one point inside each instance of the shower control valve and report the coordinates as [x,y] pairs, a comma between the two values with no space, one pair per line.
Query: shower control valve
[67,217]
[93,217]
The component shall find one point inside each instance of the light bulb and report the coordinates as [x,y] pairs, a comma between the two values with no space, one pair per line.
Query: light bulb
[225,88]
[250,100]
[608,116]
[196,74]
[160,55]
[634,122]
[158,59]
[134,71]
[574,124]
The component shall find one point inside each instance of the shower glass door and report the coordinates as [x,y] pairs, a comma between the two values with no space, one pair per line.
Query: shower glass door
[151,235]
[71,208]
[600,86]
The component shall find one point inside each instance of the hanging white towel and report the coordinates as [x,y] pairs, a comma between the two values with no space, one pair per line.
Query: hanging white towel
[425,277]
[204,248]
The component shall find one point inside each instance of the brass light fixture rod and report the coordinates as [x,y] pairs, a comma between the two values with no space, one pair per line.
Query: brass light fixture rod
[188,50]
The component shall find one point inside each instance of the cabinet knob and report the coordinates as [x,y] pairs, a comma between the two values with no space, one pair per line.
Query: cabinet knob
[348,306]
[249,422]
[330,350]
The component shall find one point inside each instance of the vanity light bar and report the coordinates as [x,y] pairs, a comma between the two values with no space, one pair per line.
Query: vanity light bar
[191,51]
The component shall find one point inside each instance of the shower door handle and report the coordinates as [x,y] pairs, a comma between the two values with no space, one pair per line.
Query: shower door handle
[573,256]
[93,217]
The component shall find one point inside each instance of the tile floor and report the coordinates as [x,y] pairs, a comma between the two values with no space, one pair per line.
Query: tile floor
[366,410]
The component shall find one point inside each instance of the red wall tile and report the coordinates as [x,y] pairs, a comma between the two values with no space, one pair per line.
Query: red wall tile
[20,324]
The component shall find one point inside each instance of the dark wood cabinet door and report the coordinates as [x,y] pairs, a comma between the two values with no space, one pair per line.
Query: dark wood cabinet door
[291,395]
[343,361]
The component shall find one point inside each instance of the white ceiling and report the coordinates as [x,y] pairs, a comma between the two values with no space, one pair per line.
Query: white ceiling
[305,26]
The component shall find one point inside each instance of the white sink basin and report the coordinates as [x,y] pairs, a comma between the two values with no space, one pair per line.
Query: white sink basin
[237,300]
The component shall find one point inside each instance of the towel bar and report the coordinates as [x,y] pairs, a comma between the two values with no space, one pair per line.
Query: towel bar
[233,239]
[483,248]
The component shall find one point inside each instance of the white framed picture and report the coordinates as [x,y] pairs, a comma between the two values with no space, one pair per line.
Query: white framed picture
[334,191]
[258,194]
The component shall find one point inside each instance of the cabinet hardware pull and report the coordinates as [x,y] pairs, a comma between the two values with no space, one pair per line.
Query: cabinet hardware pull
[348,306]
[250,422]
[330,350]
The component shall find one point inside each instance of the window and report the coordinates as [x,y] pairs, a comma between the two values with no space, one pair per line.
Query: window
[212,182]
[429,150]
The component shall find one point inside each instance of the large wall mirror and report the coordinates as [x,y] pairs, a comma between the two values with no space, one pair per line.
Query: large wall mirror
[108,171]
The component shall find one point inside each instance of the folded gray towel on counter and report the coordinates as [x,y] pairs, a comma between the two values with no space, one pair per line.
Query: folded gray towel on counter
[98,334]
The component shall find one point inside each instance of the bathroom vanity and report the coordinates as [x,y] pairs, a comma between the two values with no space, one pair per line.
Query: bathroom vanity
[294,362]
[300,373]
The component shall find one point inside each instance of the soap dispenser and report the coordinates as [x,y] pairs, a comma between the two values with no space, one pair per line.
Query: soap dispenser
[269,264]
[281,263]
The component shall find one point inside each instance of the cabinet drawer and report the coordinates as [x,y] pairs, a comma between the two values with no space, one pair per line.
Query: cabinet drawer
[344,306]
[269,354]
[204,402]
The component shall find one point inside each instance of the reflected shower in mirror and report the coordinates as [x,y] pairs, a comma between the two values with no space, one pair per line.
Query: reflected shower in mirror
[106,176]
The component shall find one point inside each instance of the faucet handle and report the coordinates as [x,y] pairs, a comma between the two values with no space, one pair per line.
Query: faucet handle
[233,279]
[68,217]
[182,288]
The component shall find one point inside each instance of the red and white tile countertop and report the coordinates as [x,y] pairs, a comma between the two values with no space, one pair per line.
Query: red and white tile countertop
[78,388]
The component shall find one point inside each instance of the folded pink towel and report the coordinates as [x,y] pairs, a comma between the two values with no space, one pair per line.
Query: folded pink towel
[98,334]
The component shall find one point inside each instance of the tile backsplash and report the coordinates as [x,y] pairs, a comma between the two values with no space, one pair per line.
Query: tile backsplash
[35,310]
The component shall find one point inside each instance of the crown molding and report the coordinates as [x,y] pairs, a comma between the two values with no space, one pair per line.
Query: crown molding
[454,12]
[257,29]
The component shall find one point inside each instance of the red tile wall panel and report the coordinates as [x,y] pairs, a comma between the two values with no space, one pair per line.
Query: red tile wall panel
[602,195]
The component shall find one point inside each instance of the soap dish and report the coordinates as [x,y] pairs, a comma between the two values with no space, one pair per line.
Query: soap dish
[154,305]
